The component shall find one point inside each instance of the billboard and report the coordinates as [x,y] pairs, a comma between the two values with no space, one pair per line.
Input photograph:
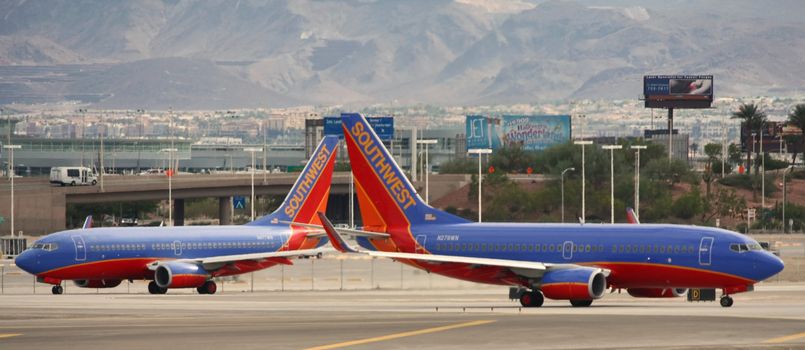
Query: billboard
[532,132]
[384,127]
[678,91]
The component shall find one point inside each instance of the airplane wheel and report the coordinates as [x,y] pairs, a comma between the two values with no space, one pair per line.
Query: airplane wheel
[153,288]
[208,287]
[726,301]
[94,182]
[532,299]
[57,290]
[581,303]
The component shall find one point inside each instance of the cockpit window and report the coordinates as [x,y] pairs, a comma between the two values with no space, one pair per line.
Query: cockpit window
[48,247]
[745,247]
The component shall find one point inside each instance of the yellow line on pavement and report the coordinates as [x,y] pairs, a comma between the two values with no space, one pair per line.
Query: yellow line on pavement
[785,338]
[401,335]
[9,335]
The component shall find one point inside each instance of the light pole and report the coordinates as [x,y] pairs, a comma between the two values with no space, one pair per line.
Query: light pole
[11,149]
[170,152]
[563,190]
[426,145]
[100,155]
[723,146]
[480,152]
[785,195]
[637,149]
[252,150]
[583,143]
[612,149]
[762,175]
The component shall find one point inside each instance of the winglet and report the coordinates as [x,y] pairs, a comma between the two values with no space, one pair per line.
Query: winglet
[87,222]
[335,239]
[631,217]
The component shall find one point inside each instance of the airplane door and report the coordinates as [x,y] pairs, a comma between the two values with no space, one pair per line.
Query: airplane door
[567,250]
[80,248]
[420,240]
[705,251]
[177,247]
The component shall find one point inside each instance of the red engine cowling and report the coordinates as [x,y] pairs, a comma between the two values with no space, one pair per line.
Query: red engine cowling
[657,292]
[180,275]
[97,283]
[581,283]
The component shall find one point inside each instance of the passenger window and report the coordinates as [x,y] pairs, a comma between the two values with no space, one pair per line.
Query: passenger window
[551,247]
[676,249]
[670,249]
[620,249]
[587,249]
[536,248]
[662,249]
[628,249]
[523,247]
[483,247]
[544,247]
[614,248]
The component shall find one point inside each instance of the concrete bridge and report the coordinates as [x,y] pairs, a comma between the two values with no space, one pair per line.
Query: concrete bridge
[40,208]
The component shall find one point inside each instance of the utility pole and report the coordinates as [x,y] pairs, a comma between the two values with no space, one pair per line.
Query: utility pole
[583,143]
[637,149]
[612,149]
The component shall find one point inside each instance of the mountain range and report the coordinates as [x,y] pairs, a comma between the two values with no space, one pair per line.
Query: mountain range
[228,54]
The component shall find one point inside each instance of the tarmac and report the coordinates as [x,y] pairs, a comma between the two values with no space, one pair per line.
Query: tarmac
[404,309]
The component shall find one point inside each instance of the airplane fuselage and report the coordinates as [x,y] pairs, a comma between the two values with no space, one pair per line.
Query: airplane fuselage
[124,253]
[637,256]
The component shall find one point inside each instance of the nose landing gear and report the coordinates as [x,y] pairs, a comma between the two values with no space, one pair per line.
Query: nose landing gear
[57,290]
[726,301]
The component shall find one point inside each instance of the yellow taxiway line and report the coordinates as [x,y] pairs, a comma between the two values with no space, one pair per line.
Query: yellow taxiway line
[786,338]
[401,335]
[9,335]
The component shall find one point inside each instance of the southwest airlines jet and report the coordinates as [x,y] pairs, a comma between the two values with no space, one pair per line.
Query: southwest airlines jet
[188,256]
[575,262]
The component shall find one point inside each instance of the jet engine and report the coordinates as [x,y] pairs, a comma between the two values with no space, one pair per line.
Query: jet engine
[657,292]
[580,283]
[97,283]
[174,274]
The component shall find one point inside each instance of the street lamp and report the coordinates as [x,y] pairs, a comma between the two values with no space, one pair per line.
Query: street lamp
[426,144]
[762,175]
[583,143]
[785,195]
[11,149]
[170,152]
[563,190]
[612,149]
[637,178]
[480,152]
[252,150]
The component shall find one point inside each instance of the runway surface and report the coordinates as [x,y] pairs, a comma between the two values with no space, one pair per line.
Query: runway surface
[771,317]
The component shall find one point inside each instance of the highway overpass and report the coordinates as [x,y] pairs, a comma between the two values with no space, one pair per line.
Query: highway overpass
[40,208]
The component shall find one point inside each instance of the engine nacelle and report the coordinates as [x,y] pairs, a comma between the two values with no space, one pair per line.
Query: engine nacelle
[174,274]
[581,283]
[97,283]
[657,292]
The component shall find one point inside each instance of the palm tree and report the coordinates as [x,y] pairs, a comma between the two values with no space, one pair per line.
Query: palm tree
[797,118]
[753,119]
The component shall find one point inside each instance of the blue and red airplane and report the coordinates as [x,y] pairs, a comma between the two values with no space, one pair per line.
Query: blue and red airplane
[575,262]
[189,256]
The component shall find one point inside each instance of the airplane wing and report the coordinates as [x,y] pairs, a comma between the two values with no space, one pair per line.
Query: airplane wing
[216,262]
[320,232]
[527,268]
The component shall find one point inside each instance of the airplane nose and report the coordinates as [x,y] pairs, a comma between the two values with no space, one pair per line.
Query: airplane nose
[26,261]
[772,265]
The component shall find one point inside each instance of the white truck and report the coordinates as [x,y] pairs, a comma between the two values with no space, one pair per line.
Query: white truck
[73,175]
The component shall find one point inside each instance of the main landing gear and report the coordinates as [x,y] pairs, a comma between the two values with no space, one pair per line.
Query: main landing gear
[153,288]
[581,303]
[57,290]
[726,301]
[208,287]
[532,299]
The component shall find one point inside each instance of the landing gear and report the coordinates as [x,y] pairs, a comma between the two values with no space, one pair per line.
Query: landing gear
[208,287]
[581,303]
[57,290]
[726,301]
[532,299]
[153,288]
